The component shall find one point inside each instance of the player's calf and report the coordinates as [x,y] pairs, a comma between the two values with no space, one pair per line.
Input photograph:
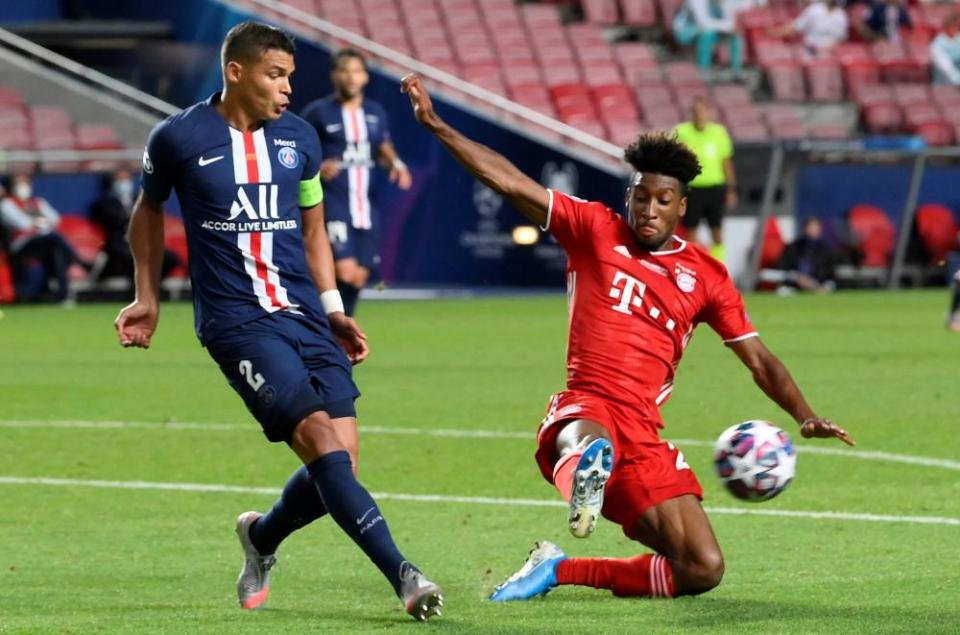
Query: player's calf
[699,574]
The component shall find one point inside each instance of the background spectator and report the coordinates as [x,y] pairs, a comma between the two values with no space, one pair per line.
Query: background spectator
[822,25]
[945,52]
[112,213]
[884,21]
[707,22]
[809,262]
[714,190]
[30,223]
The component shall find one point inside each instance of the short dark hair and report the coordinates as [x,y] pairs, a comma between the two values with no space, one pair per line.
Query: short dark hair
[347,53]
[662,153]
[249,40]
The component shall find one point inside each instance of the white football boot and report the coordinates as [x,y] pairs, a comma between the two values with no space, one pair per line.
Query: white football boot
[253,585]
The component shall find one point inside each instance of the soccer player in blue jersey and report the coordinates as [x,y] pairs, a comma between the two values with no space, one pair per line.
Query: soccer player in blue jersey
[354,136]
[266,306]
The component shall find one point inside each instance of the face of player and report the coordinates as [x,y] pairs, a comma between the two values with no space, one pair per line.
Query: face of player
[701,114]
[264,86]
[349,78]
[655,204]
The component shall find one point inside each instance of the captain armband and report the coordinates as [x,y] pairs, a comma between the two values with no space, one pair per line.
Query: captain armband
[311,192]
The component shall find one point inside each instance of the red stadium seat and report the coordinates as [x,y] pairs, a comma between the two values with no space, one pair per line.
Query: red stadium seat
[781,114]
[824,80]
[946,95]
[873,233]
[175,239]
[786,81]
[870,94]
[915,115]
[883,118]
[828,131]
[860,73]
[638,12]
[937,228]
[85,237]
[10,96]
[756,132]
[731,95]
[600,11]
[773,244]
[97,137]
[910,94]
[935,133]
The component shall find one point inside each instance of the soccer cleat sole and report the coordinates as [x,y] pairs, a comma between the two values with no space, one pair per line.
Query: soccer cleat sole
[426,605]
[589,483]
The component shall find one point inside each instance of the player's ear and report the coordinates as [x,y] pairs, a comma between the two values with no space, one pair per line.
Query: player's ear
[233,72]
[682,206]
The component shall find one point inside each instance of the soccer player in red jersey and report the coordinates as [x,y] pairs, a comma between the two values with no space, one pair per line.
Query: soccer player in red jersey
[636,294]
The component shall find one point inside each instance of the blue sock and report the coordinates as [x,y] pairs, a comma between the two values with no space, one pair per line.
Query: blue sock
[299,505]
[349,294]
[352,507]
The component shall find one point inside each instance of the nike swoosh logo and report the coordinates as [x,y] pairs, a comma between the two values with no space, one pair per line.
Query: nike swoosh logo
[361,519]
[204,162]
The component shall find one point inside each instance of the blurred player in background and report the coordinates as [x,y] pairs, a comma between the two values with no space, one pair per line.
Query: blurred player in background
[354,135]
[714,190]
[265,300]
[636,293]
[953,279]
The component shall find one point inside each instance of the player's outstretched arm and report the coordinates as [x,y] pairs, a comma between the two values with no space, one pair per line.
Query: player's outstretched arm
[137,321]
[320,262]
[490,168]
[774,379]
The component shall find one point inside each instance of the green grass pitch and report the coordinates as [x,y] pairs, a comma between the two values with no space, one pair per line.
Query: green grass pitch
[82,559]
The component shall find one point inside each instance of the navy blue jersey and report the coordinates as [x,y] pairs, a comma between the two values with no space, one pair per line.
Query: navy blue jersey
[240,197]
[353,137]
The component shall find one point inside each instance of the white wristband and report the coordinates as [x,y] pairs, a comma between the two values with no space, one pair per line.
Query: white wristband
[331,301]
[398,164]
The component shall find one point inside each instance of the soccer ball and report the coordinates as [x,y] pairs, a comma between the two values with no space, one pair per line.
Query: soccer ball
[755,460]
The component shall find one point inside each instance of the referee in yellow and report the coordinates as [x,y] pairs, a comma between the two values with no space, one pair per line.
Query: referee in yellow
[715,189]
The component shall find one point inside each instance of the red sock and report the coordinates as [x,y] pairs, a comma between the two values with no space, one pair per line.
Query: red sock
[648,575]
[563,474]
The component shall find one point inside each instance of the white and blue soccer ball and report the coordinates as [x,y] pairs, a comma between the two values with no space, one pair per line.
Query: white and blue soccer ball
[755,460]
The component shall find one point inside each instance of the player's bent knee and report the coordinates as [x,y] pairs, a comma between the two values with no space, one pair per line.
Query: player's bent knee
[701,574]
[315,436]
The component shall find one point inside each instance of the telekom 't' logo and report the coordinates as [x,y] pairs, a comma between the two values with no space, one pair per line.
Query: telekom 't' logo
[628,290]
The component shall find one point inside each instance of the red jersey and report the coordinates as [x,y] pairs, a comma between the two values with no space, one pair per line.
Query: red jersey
[632,312]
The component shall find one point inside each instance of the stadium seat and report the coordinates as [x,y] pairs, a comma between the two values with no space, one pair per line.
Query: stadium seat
[773,244]
[828,131]
[725,95]
[97,137]
[937,228]
[883,118]
[175,239]
[10,96]
[603,12]
[786,81]
[638,12]
[918,114]
[873,233]
[750,132]
[85,237]
[824,80]
[911,94]
[935,133]
[946,95]
[870,94]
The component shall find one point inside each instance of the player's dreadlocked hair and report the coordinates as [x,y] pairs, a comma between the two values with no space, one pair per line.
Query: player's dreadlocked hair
[662,153]
[249,40]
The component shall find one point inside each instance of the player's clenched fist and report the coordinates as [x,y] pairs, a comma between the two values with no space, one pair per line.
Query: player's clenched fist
[412,84]
[136,323]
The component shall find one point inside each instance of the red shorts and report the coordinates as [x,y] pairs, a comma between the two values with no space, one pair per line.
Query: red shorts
[646,470]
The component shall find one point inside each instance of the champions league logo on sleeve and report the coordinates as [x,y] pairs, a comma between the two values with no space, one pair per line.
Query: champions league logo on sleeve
[288,157]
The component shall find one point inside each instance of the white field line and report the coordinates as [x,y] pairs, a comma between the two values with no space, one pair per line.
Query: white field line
[469,500]
[868,455]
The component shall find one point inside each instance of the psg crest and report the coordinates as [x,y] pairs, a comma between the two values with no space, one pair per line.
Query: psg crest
[288,157]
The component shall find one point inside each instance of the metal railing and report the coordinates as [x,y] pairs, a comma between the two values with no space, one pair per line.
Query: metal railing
[610,155]
[89,76]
